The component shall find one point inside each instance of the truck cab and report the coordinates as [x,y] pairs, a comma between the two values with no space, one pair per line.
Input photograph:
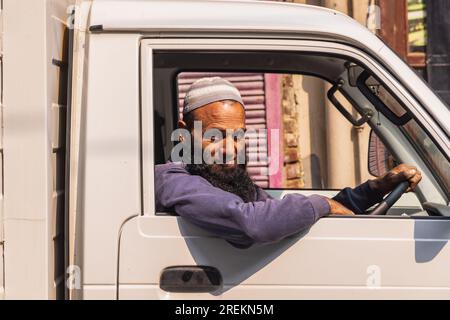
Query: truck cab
[128,66]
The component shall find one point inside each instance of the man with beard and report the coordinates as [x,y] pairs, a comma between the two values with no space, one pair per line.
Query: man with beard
[223,199]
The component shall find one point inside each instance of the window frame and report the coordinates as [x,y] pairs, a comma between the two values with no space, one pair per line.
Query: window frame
[394,31]
[149,45]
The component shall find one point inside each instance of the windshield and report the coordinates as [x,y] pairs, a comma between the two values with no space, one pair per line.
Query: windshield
[427,149]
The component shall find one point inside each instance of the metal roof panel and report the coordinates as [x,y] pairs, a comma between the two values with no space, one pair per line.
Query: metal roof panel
[233,17]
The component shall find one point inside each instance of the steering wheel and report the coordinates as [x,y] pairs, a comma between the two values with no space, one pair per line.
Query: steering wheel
[389,201]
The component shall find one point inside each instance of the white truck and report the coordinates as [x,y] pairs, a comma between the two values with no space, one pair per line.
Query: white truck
[89,99]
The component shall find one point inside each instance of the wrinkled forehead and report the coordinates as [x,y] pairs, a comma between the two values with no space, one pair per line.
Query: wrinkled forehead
[220,115]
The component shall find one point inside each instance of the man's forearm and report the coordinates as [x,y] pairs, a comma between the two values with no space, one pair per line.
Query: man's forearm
[198,201]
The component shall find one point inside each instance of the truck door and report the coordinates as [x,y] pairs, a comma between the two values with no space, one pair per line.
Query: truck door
[162,256]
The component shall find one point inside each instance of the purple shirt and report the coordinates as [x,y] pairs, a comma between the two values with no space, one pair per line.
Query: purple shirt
[244,223]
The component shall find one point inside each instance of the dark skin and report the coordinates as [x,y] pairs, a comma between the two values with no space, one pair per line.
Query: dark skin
[223,115]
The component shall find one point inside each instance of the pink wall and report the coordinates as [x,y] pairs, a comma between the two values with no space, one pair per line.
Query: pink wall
[274,121]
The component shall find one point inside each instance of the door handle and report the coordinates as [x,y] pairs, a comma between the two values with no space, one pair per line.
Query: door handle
[190,279]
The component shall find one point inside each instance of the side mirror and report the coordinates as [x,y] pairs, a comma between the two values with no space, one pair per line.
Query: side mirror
[380,159]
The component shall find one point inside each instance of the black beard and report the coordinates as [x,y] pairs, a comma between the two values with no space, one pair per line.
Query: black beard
[235,180]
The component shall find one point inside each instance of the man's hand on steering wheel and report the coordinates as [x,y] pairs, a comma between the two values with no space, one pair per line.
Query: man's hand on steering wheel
[384,185]
[394,177]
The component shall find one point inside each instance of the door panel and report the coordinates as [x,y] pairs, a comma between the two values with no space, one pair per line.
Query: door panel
[336,258]
[352,257]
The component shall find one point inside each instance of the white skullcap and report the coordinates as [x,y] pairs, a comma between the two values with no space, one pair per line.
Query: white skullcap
[209,90]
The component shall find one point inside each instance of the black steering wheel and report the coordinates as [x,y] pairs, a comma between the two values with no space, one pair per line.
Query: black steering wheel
[389,201]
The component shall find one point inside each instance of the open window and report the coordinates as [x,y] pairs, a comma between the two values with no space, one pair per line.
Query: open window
[324,106]
[305,127]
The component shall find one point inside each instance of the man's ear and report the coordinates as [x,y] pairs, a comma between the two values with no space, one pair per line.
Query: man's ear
[182,124]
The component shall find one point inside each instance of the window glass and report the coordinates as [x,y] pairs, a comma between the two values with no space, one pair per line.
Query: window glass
[383,94]
[425,146]
[417,136]
[417,32]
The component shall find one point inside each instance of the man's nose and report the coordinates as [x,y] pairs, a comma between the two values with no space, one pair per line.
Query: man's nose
[229,148]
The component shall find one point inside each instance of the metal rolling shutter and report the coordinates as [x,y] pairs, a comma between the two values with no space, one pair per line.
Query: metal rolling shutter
[251,86]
